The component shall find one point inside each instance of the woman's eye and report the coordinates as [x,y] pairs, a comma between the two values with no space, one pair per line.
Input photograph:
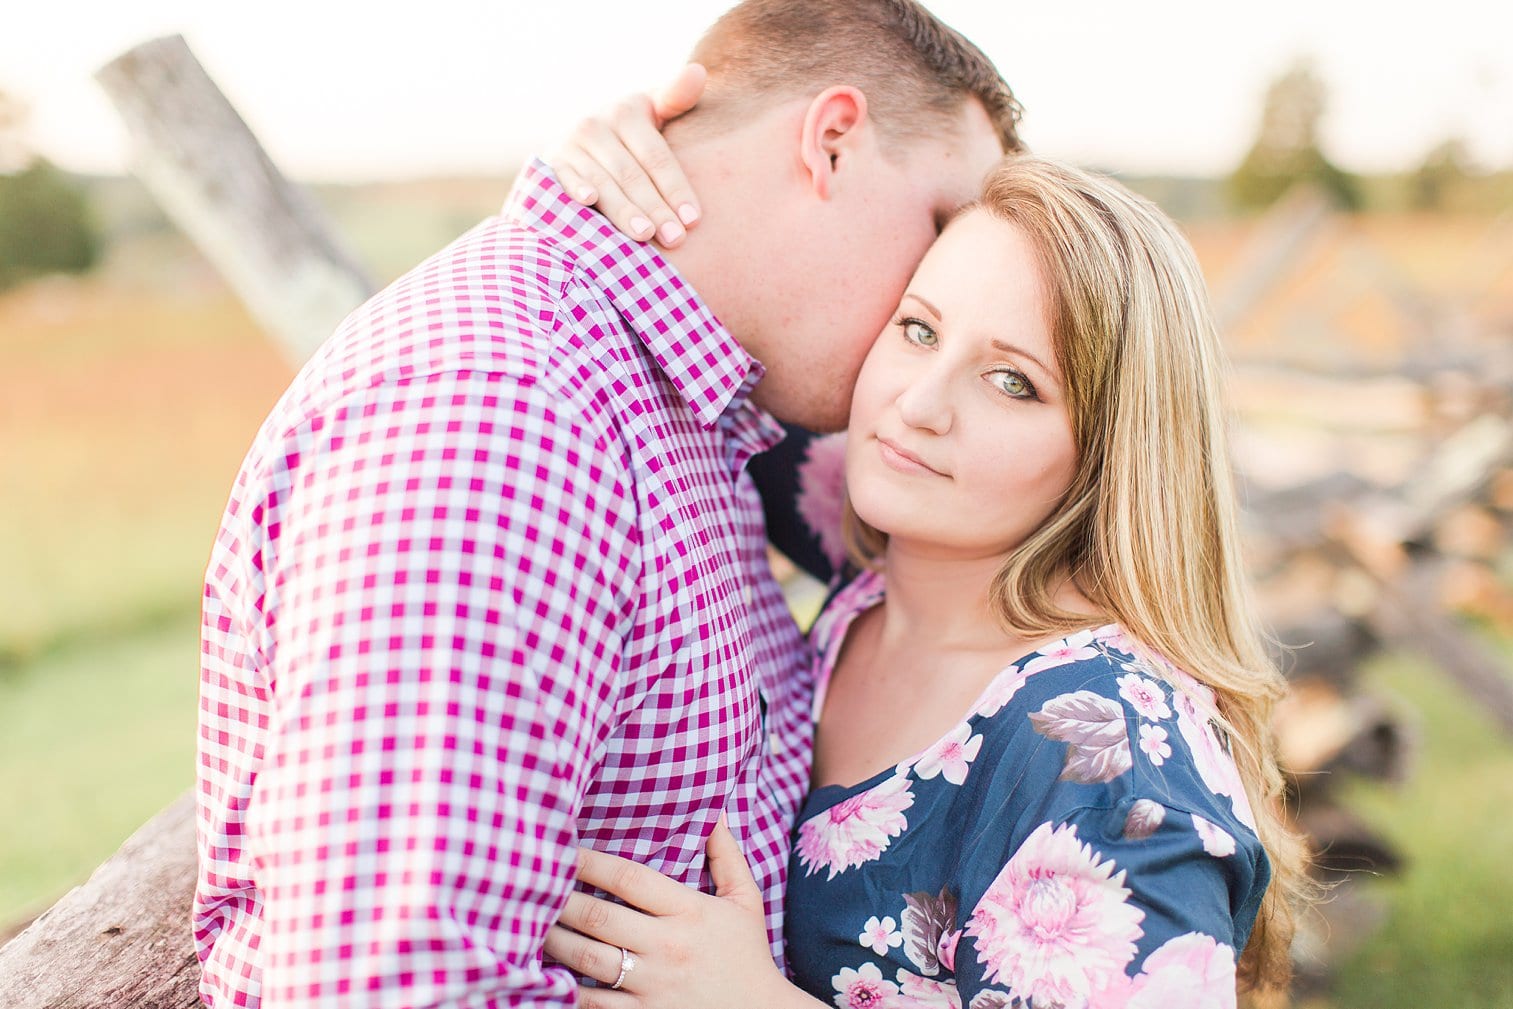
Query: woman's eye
[917,332]
[1014,384]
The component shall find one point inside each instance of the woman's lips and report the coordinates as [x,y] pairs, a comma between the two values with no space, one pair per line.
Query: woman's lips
[901,459]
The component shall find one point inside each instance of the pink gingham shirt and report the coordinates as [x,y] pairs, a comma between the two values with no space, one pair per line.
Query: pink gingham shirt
[491,582]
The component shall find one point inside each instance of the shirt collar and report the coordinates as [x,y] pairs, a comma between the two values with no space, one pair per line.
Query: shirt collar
[711,371]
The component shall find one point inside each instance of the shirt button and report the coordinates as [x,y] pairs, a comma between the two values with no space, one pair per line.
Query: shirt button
[772,742]
[748,594]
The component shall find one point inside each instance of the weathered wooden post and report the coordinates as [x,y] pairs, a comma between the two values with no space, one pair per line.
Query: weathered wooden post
[266,236]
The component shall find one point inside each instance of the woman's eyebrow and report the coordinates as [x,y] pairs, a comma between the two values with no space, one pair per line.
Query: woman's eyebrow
[1012,349]
[925,302]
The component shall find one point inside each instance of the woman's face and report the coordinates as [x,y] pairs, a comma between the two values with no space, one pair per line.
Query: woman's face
[960,442]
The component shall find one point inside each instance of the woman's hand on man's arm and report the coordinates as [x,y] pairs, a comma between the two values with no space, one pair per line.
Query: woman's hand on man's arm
[620,162]
[690,950]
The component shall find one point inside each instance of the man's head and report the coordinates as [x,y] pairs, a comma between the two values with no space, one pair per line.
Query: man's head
[914,69]
[833,140]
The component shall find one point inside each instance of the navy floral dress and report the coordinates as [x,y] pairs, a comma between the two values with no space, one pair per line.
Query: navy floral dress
[1080,839]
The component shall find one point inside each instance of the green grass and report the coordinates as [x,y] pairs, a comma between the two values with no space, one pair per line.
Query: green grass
[94,739]
[1448,938]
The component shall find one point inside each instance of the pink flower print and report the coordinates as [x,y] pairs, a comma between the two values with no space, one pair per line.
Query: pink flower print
[862,988]
[880,936]
[1144,817]
[917,992]
[950,756]
[1113,636]
[1216,840]
[1145,696]
[1192,971]
[1153,742]
[855,830]
[822,492]
[1000,691]
[1215,767]
[1056,925]
[945,952]
[1063,653]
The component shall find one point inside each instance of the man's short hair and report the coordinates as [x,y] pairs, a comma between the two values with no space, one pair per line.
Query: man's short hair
[915,70]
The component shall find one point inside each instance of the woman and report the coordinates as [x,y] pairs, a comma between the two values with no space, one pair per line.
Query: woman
[1043,770]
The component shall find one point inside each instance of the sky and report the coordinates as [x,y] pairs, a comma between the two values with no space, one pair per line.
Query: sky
[342,91]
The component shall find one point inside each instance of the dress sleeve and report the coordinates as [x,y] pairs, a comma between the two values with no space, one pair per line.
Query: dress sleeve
[802,481]
[1128,881]
[446,563]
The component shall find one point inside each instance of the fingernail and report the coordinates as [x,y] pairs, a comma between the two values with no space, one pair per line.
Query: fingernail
[688,213]
[671,233]
[586,196]
[640,227]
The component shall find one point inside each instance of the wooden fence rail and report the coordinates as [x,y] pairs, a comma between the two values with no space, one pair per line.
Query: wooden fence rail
[120,941]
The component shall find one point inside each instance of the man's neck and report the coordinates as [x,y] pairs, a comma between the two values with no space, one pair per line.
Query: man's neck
[742,186]
[713,258]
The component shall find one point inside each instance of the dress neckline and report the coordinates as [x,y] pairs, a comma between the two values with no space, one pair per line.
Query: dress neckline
[869,596]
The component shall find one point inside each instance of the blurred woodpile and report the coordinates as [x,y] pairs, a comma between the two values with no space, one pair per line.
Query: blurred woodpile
[1374,387]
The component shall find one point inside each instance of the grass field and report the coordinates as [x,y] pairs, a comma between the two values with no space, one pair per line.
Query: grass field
[1448,939]
[126,402]
[94,739]
[123,416]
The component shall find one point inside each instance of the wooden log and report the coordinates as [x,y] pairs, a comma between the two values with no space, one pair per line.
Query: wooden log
[1287,230]
[1346,844]
[1374,402]
[1475,590]
[1324,732]
[1290,521]
[1470,531]
[1406,616]
[1462,470]
[198,158]
[1328,646]
[121,939]
[1331,932]
[1500,492]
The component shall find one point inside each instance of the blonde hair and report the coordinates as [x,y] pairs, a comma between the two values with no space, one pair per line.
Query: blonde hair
[1149,528]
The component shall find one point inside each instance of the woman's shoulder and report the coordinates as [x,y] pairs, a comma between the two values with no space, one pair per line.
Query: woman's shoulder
[1094,665]
[1120,721]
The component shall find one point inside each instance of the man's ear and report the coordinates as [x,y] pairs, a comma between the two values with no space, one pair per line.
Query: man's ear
[832,126]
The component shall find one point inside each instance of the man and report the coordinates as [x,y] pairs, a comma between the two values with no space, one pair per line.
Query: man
[491,582]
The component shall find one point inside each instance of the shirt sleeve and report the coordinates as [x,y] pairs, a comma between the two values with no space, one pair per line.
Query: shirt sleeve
[802,482]
[1127,883]
[449,564]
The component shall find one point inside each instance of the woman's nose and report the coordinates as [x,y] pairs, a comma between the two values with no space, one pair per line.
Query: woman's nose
[925,402]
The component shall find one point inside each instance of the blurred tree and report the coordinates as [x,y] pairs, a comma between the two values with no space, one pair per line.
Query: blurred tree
[1286,150]
[1445,169]
[46,224]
